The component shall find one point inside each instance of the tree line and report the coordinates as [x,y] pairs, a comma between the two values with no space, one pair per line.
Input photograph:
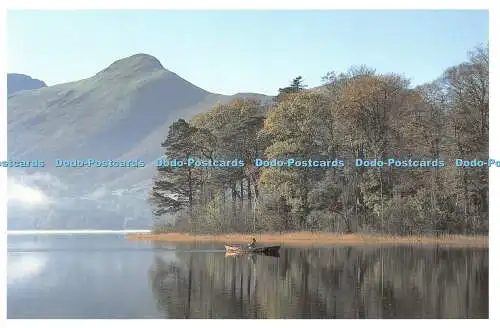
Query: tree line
[355,114]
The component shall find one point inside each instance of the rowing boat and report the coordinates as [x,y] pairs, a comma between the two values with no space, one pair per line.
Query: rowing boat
[262,250]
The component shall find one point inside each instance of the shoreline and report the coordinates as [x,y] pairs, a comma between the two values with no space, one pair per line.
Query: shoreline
[319,238]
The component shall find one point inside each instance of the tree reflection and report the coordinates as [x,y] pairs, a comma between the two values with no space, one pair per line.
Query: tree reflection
[345,282]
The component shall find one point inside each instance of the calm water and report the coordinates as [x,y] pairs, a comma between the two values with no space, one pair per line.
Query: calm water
[106,276]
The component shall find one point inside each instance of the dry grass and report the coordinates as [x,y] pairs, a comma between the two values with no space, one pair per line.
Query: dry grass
[308,238]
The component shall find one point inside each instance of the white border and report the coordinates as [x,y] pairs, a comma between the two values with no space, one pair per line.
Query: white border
[3,173]
[261,4]
[255,4]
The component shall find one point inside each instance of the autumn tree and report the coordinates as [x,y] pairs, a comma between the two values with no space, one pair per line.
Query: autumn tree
[468,90]
[235,127]
[356,114]
[297,131]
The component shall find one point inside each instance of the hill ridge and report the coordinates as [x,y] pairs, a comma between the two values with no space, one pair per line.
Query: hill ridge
[136,63]
[21,82]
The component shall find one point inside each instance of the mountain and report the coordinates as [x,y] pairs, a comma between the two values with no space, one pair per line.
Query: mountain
[122,112]
[19,82]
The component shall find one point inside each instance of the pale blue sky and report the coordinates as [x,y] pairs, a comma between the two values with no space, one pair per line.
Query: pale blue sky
[242,51]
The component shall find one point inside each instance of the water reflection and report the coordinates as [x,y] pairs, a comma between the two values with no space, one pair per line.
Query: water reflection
[23,267]
[78,277]
[347,282]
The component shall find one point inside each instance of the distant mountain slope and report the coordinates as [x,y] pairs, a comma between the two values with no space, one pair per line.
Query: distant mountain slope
[122,112]
[102,116]
[19,82]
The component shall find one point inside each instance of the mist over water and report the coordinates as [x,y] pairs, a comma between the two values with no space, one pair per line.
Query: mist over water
[43,201]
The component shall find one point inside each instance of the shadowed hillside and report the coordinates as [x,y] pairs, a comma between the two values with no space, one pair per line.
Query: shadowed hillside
[119,113]
[19,82]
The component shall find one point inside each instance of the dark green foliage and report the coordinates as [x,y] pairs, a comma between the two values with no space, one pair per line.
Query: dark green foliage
[295,86]
[175,188]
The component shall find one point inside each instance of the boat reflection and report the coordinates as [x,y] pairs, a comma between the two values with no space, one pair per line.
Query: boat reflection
[252,255]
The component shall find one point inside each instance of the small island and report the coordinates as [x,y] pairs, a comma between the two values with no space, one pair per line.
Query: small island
[355,116]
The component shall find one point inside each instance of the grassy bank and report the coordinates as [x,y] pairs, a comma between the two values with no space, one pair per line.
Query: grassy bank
[308,238]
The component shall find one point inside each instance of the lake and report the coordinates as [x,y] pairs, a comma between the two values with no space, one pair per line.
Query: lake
[106,276]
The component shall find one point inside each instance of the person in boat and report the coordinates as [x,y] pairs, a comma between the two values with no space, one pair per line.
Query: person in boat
[252,243]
